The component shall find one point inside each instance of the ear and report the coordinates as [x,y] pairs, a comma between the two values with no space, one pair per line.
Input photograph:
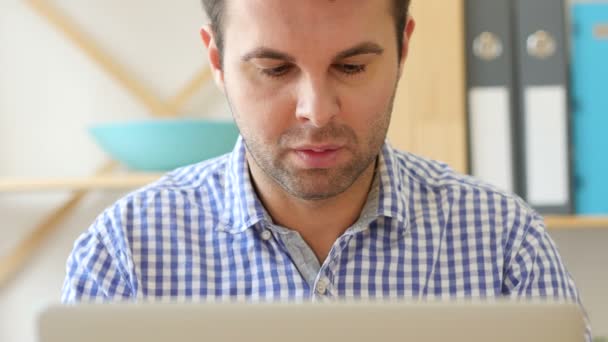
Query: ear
[408,32]
[213,55]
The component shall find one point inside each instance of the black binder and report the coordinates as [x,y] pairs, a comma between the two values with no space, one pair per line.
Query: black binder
[543,151]
[491,100]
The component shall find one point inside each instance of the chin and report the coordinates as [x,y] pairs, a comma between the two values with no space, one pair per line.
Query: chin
[315,195]
[314,189]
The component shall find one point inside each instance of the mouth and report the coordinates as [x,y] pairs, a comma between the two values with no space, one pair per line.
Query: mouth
[318,156]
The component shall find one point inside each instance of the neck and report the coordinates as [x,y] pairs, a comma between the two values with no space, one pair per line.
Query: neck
[332,216]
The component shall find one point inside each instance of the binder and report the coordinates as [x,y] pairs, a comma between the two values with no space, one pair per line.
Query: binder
[590,112]
[544,158]
[490,86]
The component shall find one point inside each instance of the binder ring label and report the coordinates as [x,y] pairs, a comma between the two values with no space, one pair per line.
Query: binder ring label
[600,31]
[541,45]
[487,46]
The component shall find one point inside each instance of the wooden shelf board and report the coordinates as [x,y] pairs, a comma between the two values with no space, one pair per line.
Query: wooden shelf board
[570,222]
[135,180]
[111,182]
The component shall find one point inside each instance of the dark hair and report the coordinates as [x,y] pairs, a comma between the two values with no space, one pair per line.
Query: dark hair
[215,10]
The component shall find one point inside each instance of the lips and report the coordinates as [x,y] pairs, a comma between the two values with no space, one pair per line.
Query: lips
[318,157]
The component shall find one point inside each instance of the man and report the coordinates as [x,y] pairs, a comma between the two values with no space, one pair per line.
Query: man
[313,202]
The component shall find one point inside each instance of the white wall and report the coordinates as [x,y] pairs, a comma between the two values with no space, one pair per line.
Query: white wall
[50,92]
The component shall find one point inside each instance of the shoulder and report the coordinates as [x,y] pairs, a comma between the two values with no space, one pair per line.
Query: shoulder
[196,176]
[470,206]
[196,189]
[438,176]
[466,196]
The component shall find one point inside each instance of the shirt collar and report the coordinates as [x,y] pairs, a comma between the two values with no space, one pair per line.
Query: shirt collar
[393,192]
[243,209]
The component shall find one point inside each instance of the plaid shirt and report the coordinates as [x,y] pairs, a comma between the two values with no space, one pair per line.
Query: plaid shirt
[425,232]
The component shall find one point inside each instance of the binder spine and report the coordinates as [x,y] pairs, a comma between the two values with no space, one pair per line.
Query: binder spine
[590,106]
[490,87]
[543,119]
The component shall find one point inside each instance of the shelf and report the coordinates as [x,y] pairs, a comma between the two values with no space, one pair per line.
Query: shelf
[109,182]
[570,222]
[135,180]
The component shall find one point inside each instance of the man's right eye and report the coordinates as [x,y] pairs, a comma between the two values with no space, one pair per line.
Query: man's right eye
[277,71]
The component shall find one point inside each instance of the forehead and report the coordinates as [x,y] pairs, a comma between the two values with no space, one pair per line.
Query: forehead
[317,25]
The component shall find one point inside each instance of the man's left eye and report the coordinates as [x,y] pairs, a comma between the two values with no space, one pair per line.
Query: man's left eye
[351,69]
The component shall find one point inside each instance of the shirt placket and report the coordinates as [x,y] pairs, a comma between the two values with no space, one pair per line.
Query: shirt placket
[319,277]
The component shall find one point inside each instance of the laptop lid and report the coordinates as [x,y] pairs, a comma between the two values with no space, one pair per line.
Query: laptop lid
[306,322]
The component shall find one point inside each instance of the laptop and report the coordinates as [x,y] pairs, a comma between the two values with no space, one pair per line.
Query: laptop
[308,322]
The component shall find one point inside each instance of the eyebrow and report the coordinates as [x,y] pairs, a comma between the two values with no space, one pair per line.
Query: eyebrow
[359,49]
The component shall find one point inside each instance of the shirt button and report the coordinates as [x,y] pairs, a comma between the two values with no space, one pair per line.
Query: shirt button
[266,235]
[322,285]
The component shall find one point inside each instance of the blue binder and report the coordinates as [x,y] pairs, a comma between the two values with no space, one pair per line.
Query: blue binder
[590,106]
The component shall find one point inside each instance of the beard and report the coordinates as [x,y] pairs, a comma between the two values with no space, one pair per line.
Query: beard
[318,184]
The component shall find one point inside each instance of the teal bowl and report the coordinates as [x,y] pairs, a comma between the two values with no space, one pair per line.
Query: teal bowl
[162,145]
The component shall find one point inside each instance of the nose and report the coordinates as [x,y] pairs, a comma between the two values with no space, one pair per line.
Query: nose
[317,103]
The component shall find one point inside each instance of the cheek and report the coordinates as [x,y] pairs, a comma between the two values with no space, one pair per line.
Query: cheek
[369,105]
[261,113]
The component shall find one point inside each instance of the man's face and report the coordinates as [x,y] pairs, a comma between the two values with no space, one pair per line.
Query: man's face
[311,86]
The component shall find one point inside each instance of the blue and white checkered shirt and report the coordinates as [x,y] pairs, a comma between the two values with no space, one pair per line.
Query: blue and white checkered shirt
[425,232]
